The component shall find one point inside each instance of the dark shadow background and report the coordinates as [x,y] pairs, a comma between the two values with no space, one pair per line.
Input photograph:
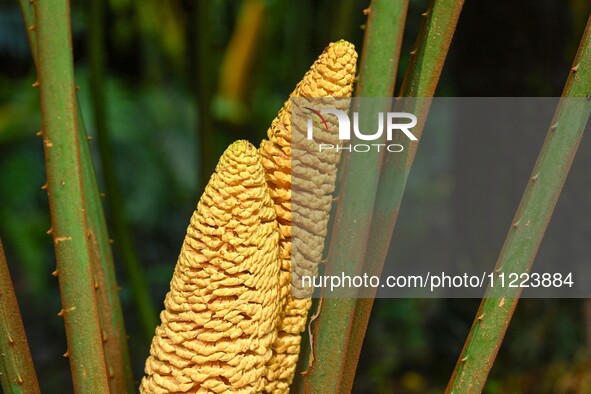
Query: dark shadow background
[156,74]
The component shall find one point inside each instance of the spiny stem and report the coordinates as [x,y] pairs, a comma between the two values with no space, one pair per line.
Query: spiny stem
[421,79]
[111,320]
[17,372]
[66,198]
[329,373]
[529,225]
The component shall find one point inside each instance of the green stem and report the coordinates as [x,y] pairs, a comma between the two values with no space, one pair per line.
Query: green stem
[529,225]
[383,38]
[421,79]
[66,198]
[123,239]
[113,332]
[110,312]
[17,370]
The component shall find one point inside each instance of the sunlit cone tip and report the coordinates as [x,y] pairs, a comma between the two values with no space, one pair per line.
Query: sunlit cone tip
[332,74]
[240,165]
[239,151]
[341,53]
[341,47]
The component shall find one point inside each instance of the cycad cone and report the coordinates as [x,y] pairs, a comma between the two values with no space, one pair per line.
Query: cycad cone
[332,75]
[230,323]
[220,315]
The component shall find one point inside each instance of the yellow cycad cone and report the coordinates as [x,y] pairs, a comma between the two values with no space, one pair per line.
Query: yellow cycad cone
[332,75]
[220,316]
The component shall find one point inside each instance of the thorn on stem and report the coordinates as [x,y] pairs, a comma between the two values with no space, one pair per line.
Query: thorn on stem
[366,11]
[39,133]
[480,317]
[465,359]
[63,311]
[35,84]
[10,341]
[31,28]
[19,380]
[89,138]
[50,231]
[44,187]
[55,273]
[66,354]
[575,68]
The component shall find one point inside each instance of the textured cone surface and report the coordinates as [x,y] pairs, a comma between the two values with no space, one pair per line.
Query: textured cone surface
[220,316]
[311,178]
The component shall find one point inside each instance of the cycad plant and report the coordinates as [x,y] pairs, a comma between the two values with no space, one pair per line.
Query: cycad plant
[232,320]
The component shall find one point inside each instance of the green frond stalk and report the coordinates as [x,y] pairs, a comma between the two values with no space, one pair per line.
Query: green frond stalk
[115,345]
[381,50]
[66,197]
[17,372]
[111,319]
[528,226]
[421,79]
[123,240]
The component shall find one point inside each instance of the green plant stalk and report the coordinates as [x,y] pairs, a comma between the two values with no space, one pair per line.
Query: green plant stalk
[421,79]
[115,345]
[379,64]
[123,239]
[17,370]
[528,226]
[66,199]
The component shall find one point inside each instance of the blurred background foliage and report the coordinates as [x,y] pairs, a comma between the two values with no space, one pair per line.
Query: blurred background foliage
[185,78]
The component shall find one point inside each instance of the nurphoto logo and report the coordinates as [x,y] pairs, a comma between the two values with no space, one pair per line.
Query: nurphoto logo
[392,122]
